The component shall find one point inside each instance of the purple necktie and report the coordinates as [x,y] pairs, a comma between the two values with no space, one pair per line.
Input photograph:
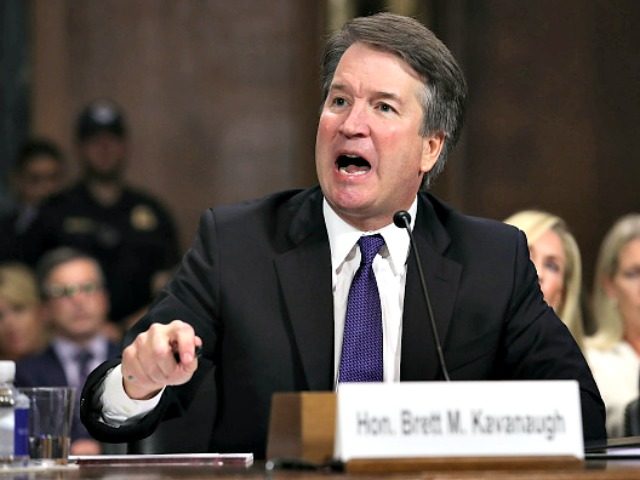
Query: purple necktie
[361,359]
[83,359]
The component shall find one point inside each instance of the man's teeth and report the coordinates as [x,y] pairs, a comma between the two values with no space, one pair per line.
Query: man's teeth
[352,164]
[354,170]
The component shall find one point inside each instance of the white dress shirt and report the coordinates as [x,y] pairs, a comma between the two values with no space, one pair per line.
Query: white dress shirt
[616,371]
[67,351]
[390,270]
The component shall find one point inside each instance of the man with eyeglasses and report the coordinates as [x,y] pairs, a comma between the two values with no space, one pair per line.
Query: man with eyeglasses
[75,303]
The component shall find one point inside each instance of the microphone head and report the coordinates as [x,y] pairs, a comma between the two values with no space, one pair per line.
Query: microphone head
[402,219]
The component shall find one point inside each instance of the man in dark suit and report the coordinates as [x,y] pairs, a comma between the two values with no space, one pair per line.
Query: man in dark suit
[76,305]
[266,289]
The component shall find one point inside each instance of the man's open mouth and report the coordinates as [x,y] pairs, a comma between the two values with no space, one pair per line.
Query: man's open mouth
[353,164]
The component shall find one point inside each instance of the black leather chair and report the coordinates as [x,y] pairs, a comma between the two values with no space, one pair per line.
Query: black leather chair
[632,419]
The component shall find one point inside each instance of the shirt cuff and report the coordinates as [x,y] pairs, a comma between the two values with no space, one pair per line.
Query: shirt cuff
[117,407]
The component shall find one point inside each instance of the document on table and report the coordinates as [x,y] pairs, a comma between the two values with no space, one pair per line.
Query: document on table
[212,459]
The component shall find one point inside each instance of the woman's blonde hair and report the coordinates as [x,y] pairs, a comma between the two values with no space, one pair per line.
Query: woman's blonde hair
[534,223]
[609,322]
[18,285]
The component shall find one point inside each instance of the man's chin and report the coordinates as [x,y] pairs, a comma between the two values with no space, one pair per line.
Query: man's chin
[81,334]
[103,176]
[350,207]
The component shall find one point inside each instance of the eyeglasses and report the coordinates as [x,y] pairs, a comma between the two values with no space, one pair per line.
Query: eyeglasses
[68,291]
[42,177]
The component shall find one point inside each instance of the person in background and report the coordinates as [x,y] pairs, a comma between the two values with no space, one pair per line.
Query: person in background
[129,232]
[38,173]
[158,281]
[613,352]
[555,253]
[76,303]
[22,327]
[271,289]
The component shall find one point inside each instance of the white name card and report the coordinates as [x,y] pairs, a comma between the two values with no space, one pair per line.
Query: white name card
[456,419]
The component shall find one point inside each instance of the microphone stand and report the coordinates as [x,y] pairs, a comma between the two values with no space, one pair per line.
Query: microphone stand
[402,219]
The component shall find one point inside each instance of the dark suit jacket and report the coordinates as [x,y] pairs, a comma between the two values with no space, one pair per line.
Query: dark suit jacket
[256,286]
[45,370]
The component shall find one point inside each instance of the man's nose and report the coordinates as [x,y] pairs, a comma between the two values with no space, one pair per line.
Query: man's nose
[356,122]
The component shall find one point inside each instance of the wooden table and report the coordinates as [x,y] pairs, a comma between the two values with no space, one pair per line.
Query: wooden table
[611,470]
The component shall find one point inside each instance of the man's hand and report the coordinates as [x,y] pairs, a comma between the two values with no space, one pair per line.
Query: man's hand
[149,363]
[85,446]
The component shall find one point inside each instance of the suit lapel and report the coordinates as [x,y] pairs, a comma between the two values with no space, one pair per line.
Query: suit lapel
[304,273]
[419,359]
[55,375]
[113,350]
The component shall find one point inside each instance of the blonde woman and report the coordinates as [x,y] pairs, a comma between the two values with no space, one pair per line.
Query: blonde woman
[614,351]
[555,253]
[22,331]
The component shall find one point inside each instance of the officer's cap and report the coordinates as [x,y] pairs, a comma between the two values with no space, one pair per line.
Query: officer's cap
[100,116]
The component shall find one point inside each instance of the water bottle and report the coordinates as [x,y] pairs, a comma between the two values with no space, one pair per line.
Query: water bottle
[14,418]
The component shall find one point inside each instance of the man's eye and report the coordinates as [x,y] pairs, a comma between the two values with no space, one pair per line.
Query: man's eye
[19,308]
[386,108]
[339,102]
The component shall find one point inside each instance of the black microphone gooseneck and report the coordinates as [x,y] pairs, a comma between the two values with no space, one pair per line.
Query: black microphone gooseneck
[402,219]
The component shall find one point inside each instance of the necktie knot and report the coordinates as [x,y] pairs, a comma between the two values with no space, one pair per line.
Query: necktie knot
[83,356]
[370,245]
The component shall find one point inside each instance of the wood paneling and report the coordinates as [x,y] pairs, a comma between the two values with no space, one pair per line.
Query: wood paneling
[222,99]
[553,111]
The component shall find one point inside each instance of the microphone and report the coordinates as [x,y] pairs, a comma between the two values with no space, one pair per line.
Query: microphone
[402,219]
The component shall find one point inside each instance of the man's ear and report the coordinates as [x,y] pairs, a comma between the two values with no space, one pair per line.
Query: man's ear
[431,148]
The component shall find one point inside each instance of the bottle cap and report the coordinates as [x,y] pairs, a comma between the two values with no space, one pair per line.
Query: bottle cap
[7,371]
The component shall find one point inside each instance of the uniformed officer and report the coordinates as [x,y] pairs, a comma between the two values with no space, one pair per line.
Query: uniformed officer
[130,233]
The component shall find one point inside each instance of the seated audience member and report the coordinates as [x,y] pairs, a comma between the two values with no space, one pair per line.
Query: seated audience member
[282,292]
[555,253]
[127,230]
[22,329]
[37,174]
[614,351]
[76,303]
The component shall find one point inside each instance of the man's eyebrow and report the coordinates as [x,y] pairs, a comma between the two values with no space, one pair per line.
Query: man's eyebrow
[340,87]
[389,96]
[337,86]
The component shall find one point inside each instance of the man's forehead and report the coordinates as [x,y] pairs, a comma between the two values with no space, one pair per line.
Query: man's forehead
[79,267]
[357,50]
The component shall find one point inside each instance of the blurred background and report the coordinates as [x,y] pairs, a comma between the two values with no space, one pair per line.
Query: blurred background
[222,98]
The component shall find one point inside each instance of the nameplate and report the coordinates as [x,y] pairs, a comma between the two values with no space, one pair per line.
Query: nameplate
[458,419]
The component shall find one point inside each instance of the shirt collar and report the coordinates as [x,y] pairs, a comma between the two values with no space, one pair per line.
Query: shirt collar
[343,238]
[67,349]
